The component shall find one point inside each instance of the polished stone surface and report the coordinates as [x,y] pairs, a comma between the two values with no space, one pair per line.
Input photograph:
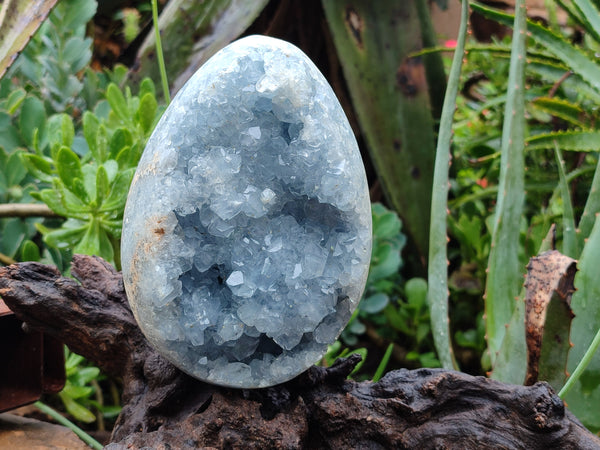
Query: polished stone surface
[247,232]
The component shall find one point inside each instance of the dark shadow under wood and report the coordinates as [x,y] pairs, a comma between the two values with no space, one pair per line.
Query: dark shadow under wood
[165,408]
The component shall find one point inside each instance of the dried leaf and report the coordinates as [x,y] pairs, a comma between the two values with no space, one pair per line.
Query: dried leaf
[549,285]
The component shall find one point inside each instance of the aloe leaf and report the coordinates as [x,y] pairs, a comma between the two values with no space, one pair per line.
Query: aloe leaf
[572,12]
[434,64]
[569,245]
[578,141]
[511,362]
[589,17]
[584,396]
[576,59]
[437,294]
[553,73]
[504,273]
[592,207]
[389,92]
[562,109]
[18,22]
[192,32]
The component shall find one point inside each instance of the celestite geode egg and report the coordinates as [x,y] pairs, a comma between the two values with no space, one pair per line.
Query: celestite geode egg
[247,232]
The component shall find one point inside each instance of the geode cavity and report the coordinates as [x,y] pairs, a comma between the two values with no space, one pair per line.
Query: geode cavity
[247,231]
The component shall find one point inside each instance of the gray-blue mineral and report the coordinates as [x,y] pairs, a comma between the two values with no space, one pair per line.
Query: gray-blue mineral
[247,232]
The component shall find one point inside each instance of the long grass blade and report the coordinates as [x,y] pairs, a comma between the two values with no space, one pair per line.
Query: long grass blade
[159,53]
[383,363]
[583,364]
[93,443]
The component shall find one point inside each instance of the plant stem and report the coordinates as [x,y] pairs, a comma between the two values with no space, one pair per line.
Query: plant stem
[67,423]
[100,400]
[6,260]
[159,53]
[26,210]
[585,360]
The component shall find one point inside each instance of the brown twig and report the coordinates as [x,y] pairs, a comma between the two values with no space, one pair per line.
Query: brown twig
[560,81]
[26,210]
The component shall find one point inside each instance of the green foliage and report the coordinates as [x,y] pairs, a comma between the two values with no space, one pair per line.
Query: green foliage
[395,311]
[77,391]
[91,192]
[409,322]
[560,115]
[57,53]
[71,138]
[388,242]
[383,364]
[82,171]
[335,351]
[16,186]
[383,279]
[81,390]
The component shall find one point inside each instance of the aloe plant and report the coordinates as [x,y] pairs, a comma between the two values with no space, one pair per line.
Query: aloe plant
[390,96]
[556,360]
[567,66]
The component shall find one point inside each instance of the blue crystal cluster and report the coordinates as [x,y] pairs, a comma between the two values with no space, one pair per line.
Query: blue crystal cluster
[247,231]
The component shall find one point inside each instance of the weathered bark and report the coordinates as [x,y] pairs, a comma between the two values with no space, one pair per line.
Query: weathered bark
[164,408]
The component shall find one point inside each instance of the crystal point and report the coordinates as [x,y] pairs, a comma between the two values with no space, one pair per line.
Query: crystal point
[247,231]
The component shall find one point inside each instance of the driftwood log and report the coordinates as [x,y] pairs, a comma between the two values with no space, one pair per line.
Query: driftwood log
[164,408]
